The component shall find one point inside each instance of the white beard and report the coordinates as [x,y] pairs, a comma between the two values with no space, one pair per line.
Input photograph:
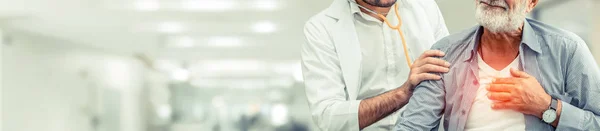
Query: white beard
[497,20]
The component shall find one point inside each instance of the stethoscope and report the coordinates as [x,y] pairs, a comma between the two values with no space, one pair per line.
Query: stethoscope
[397,27]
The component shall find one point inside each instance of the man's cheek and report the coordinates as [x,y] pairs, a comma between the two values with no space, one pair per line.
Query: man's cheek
[510,2]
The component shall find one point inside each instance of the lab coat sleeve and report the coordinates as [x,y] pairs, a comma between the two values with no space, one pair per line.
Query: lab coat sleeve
[330,107]
[581,109]
[441,30]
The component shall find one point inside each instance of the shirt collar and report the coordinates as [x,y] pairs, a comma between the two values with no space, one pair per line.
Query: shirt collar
[354,9]
[528,39]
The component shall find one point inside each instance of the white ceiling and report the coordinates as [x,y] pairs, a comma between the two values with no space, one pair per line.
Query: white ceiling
[118,25]
[241,40]
[195,34]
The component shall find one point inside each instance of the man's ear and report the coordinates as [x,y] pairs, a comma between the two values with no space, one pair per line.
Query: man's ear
[531,5]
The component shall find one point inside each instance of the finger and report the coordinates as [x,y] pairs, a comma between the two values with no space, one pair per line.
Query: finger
[430,68]
[432,53]
[428,76]
[431,60]
[500,87]
[504,105]
[436,61]
[499,96]
[505,81]
[516,73]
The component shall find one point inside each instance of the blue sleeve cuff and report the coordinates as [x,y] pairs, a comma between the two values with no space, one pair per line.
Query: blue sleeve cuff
[571,118]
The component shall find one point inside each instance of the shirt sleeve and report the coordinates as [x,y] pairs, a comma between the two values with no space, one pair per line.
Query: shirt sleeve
[583,84]
[425,108]
[330,107]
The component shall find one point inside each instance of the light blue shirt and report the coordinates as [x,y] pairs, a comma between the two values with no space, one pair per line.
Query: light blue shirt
[559,60]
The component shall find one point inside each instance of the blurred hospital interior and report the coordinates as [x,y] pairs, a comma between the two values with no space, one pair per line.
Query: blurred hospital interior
[181,65]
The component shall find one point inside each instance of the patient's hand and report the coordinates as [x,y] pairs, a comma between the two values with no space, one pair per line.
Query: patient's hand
[522,93]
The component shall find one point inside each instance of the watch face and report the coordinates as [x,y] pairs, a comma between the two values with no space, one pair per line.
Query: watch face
[549,116]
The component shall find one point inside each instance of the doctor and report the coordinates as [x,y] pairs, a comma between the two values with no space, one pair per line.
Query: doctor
[356,67]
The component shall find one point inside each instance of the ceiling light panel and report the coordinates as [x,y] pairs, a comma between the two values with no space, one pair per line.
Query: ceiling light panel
[184,41]
[225,41]
[146,5]
[180,42]
[207,5]
[170,27]
[264,27]
[268,5]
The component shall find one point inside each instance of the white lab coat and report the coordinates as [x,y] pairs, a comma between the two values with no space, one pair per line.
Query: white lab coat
[331,61]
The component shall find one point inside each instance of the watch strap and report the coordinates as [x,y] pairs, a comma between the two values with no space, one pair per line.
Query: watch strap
[553,104]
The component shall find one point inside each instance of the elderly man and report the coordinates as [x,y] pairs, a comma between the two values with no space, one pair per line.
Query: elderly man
[509,73]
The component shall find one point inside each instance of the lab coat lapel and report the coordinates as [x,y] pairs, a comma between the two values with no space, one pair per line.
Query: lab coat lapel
[349,54]
[347,47]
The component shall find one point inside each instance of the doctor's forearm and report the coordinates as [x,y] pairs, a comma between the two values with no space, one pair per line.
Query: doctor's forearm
[378,107]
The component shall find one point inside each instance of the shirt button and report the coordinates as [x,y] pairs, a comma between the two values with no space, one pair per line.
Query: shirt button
[475,82]
[463,112]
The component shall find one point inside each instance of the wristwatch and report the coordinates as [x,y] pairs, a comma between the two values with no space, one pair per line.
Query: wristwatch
[549,115]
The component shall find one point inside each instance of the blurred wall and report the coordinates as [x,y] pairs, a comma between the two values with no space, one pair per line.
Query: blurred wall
[54,85]
[37,93]
[459,14]
[596,31]
[1,84]
[561,14]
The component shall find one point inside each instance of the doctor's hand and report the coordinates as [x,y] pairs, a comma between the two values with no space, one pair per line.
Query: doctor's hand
[426,67]
[521,93]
